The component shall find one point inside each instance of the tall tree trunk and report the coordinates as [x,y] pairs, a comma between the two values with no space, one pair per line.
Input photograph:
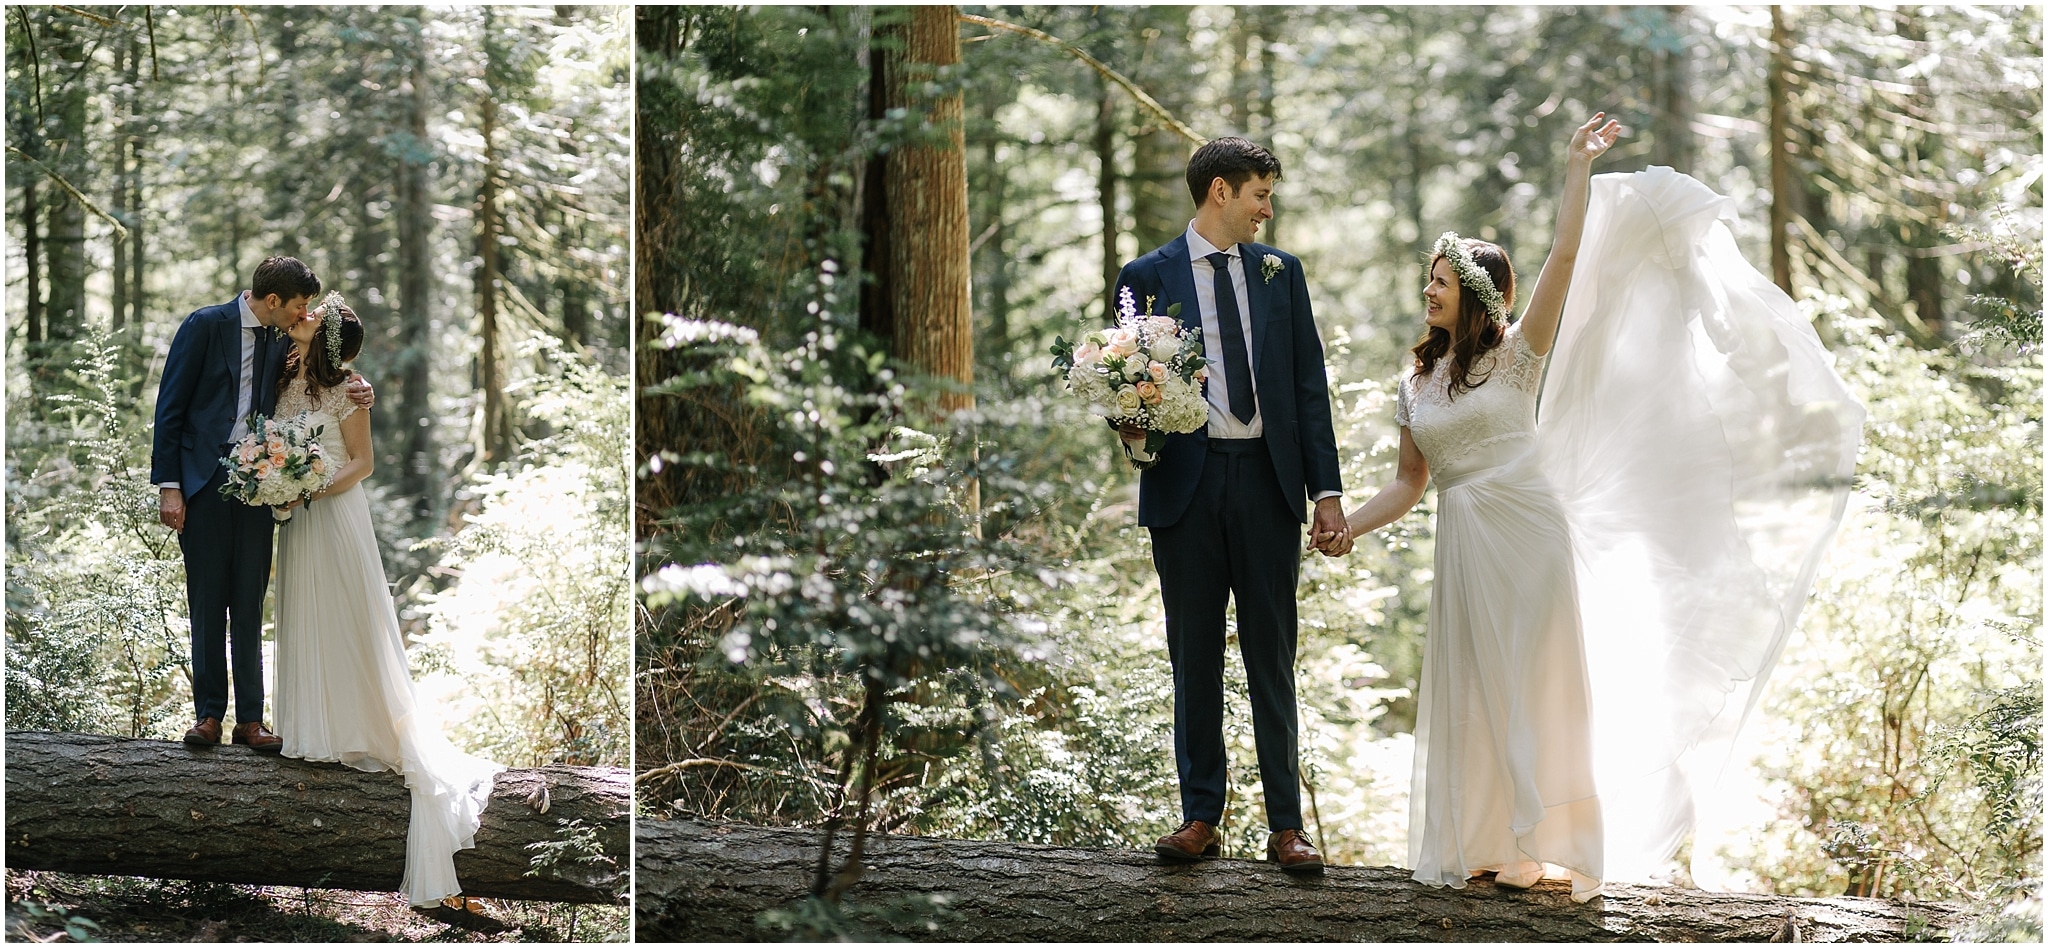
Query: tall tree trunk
[995,261]
[415,223]
[1105,189]
[290,175]
[135,127]
[497,434]
[1242,74]
[32,248]
[660,283]
[1160,206]
[1671,76]
[569,288]
[138,291]
[927,187]
[118,207]
[1265,27]
[1924,278]
[877,254]
[66,247]
[1778,85]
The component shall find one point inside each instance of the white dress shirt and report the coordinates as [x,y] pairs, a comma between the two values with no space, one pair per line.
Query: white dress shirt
[245,399]
[1223,424]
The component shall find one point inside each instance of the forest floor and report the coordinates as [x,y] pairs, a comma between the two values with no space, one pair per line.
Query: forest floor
[42,905]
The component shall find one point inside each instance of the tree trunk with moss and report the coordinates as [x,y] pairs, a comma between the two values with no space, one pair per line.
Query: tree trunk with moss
[700,881]
[100,805]
[929,308]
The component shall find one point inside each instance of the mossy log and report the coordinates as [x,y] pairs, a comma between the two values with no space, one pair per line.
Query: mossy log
[703,881]
[117,806]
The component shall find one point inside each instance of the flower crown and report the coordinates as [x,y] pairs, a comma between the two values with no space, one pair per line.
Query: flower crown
[1452,247]
[330,325]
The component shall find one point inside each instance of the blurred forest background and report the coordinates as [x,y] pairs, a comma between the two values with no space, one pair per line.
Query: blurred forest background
[461,175]
[891,573]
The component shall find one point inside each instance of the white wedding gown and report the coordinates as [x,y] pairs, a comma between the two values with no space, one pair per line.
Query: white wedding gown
[343,687]
[1614,582]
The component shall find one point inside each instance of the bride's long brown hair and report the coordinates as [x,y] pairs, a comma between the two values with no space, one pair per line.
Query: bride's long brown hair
[1477,332]
[322,372]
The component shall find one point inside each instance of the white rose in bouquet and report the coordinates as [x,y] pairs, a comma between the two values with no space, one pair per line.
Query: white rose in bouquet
[1127,401]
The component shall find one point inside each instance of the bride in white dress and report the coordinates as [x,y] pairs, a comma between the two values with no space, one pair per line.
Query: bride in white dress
[343,687]
[1612,582]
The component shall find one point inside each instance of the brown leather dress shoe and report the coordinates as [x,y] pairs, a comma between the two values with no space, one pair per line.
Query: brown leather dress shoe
[1193,841]
[204,734]
[258,738]
[1292,850]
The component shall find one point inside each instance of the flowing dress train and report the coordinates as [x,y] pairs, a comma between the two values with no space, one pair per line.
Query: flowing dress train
[344,689]
[1615,580]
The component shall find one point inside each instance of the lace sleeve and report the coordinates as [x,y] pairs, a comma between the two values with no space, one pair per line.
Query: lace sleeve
[1401,397]
[1526,371]
[335,401]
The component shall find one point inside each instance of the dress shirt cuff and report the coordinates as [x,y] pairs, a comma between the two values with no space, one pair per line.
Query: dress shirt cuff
[173,485]
[1323,494]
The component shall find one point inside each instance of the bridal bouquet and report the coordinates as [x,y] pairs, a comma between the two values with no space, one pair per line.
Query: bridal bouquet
[1147,371]
[276,463]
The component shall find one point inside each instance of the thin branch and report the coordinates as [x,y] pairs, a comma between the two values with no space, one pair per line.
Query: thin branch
[1151,105]
[149,18]
[256,38]
[120,232]
[35,63]
[96,18]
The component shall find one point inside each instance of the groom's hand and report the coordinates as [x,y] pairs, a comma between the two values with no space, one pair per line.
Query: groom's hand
[360,392]
[1330,534]
[170,508]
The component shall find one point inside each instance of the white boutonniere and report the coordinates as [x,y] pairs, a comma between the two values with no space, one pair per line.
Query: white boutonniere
[1271,266]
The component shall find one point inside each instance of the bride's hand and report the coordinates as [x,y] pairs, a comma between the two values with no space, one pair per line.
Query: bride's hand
[1591,140]
[291,506]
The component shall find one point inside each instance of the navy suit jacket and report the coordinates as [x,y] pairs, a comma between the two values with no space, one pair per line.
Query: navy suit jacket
[195,402]
[1287,374]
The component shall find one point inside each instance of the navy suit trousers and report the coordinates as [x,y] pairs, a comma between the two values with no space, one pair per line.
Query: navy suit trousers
[1240,538]
[227,569]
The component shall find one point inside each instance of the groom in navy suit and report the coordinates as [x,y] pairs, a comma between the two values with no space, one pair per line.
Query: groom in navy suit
[1225,504]
[223,367]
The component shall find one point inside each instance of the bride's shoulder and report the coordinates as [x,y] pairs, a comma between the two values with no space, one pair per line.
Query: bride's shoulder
[336,401]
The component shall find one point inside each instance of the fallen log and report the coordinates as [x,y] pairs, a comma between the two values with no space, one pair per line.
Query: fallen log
[702,881]
[116,806]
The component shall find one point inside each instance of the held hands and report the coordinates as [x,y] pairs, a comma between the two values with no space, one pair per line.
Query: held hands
[1330,533]
[1591,140]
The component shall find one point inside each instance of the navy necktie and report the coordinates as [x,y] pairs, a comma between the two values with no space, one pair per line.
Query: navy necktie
[1237,370]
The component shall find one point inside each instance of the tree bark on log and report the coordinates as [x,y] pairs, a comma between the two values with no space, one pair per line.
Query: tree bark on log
[118,806]
[700,881]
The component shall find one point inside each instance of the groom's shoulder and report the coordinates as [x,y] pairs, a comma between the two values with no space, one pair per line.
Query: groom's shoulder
[1261,251]
[1158,256]
[218,312]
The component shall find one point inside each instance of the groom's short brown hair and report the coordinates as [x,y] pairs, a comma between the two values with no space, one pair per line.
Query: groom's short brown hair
[288,277]
[1233,159]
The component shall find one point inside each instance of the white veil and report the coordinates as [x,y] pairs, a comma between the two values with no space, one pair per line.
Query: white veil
[1703,447]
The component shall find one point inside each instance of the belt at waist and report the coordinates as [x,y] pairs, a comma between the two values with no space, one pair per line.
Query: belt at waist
[1236,445]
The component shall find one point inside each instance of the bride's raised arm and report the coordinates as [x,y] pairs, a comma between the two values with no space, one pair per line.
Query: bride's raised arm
[1546,301]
